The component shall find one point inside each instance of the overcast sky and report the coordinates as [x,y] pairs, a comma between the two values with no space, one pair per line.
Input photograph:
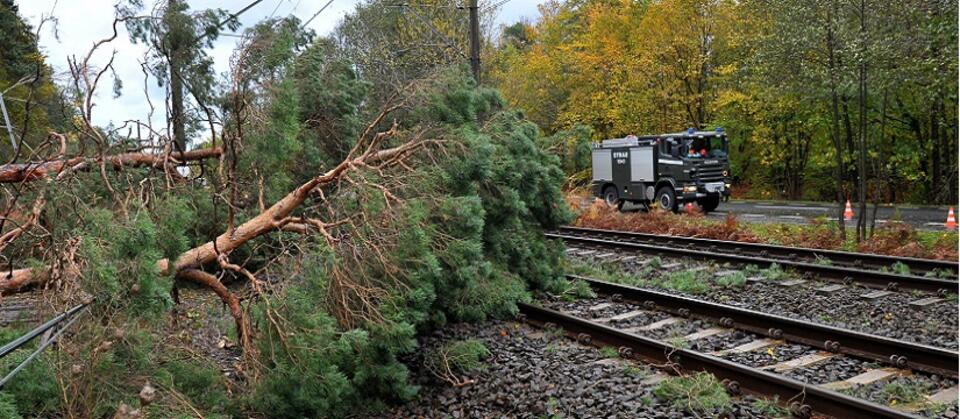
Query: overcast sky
[82,22]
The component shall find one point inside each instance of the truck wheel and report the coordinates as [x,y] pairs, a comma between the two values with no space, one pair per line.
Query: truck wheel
[709,203]
[611,197]
[667,198]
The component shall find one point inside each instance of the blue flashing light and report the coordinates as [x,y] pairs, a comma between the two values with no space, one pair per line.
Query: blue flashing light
[690,131]
[719,130]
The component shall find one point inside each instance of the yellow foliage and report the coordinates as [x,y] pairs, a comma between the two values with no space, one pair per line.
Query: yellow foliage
[622,67]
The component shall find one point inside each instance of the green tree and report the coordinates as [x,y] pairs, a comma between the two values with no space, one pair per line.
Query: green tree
[35,105]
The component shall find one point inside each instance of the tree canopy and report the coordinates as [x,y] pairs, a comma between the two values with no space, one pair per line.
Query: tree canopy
[768,72]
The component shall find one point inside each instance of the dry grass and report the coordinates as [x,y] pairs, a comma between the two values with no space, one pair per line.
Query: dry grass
[691,224]
[895,239]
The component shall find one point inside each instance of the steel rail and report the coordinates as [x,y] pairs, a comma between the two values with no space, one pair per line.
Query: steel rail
[27,337]
[805,399]
[873,279]
[855,259]
[43,345]
[898,353]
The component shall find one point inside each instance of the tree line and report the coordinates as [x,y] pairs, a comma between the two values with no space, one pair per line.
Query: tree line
[822,99]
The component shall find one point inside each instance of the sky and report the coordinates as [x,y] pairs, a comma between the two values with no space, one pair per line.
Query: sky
[83,22]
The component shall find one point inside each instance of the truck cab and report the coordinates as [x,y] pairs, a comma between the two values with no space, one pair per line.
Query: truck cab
[669,169]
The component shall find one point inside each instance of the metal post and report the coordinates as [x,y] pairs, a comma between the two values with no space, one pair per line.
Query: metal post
[6,121]
[475,40]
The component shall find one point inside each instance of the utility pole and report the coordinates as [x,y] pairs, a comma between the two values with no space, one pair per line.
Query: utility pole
[475,40]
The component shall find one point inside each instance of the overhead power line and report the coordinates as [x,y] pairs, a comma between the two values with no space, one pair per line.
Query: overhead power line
[230,18]
[496,5]
[316,14]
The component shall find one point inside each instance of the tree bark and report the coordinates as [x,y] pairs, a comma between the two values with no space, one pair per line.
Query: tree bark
[23,172]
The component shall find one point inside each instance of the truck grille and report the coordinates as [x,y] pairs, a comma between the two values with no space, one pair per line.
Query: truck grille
[710,173]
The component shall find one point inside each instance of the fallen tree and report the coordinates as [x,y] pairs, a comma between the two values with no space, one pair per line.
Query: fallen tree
[25,172]
[366,154]
[330,241]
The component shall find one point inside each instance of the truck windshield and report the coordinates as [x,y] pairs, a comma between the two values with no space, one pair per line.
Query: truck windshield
[708,147]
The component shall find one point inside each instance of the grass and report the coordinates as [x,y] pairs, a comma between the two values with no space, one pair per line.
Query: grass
[751,270]
[678,342]
[902,392]
[551,348]
[633,371]
[681,281]
[775,273]
[900,268]
[940,274]
[552,406]
[733,280]
[608,274]
[700,393]
[685,281]
[906,393]
[571,290]
[654,263]
[609,352]
[771,408]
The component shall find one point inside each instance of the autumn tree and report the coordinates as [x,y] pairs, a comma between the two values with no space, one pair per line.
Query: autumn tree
[782,79]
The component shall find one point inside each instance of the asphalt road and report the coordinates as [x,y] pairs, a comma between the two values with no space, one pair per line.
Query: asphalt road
[923,217]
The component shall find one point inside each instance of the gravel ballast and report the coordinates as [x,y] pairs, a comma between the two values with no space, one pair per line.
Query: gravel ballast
[532,374]
[891,316]
[830,369]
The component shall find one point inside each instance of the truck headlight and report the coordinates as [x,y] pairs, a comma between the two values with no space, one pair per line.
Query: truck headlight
[690,188]
[725,173]
[727,185]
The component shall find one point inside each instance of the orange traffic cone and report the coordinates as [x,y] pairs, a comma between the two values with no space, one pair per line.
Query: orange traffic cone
[848,213]
[951,220]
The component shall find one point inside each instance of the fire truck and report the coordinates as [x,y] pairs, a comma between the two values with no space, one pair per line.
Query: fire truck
[668,169]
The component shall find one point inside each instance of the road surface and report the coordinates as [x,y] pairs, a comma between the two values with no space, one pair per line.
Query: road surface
[922,217]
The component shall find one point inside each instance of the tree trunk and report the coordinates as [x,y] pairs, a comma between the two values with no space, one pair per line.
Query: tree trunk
[881,162]
[23,172]
[835,123]
[176,89]
[936,155]
[862,102]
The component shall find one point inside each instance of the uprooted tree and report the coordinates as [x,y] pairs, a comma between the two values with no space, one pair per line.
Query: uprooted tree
[332,226]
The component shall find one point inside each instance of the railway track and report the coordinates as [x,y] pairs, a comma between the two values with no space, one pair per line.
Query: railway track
[896,353]
[922,267]
[845,274]
[804,399]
